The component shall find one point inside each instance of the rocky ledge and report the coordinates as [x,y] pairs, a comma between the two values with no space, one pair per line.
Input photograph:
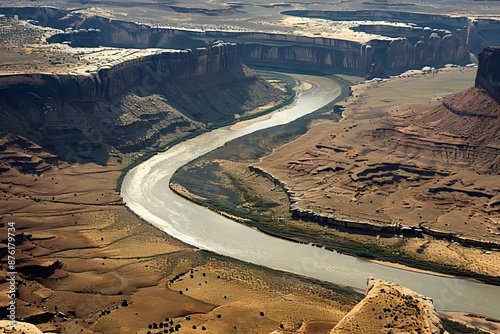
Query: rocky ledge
[427,40]
[391,308]
[147,68]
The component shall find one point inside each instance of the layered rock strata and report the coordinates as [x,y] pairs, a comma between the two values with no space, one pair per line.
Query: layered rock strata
[129,102]
[396,168]
[115,78]
[419,46]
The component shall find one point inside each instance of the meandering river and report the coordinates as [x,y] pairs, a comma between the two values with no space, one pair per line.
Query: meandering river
[145,190]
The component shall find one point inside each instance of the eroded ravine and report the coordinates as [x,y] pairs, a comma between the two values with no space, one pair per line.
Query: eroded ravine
[145,189]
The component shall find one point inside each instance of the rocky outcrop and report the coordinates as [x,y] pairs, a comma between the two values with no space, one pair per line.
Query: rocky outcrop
[115,78]
[23,155]
[128,111]
[483,32]
[79,37]
[431,49]
[391,308]
[298,212]
[422,19]
[488,72]
[20,327]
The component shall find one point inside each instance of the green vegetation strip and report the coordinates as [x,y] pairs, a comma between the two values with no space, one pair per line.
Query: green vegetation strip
[343,246]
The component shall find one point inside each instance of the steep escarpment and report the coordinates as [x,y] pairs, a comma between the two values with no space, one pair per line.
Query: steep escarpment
[435,40]
[488,73]
[465,129]
[131,103]
[114,78]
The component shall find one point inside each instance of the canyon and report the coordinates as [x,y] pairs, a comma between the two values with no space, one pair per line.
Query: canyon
[115,101]
[406,178]
[86,94]
[425,40]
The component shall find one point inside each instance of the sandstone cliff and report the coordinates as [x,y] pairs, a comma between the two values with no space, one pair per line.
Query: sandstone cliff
[488,73]
[391,308]
[419,46]
[115,78]
[128,105]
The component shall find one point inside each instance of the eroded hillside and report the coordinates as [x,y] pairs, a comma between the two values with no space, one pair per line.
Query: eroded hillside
[390,166]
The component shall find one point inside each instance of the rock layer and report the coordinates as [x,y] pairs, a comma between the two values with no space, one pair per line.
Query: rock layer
[445,42]
[128,104]
[488,73]
[113,79]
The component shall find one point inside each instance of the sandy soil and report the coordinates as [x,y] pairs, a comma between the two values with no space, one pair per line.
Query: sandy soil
[84,254]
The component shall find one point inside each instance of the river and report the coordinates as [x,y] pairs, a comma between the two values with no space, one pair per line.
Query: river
[145,190]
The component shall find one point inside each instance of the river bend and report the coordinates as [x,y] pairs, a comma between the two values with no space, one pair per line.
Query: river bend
[145,190]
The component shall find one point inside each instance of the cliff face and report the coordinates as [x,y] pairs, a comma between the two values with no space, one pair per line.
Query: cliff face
[347,56]
[115,78]
[125,106]
[413,47]
[391,308]
[430,49]
[488,72]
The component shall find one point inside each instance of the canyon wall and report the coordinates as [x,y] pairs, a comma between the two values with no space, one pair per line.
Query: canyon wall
[129,104]
[113,79]
[488,72]
[445,42]
[433,48]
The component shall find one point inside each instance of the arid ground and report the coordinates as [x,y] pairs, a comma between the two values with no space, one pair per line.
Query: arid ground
[87,264]
[320,171]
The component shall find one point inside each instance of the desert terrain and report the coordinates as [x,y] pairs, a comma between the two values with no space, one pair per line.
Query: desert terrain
[309,178]
[383,114]
[87,264]
[259,15]
[84,262]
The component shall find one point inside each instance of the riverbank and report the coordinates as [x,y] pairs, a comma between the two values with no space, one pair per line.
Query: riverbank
[87,264]
[290,95]
[262,205]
